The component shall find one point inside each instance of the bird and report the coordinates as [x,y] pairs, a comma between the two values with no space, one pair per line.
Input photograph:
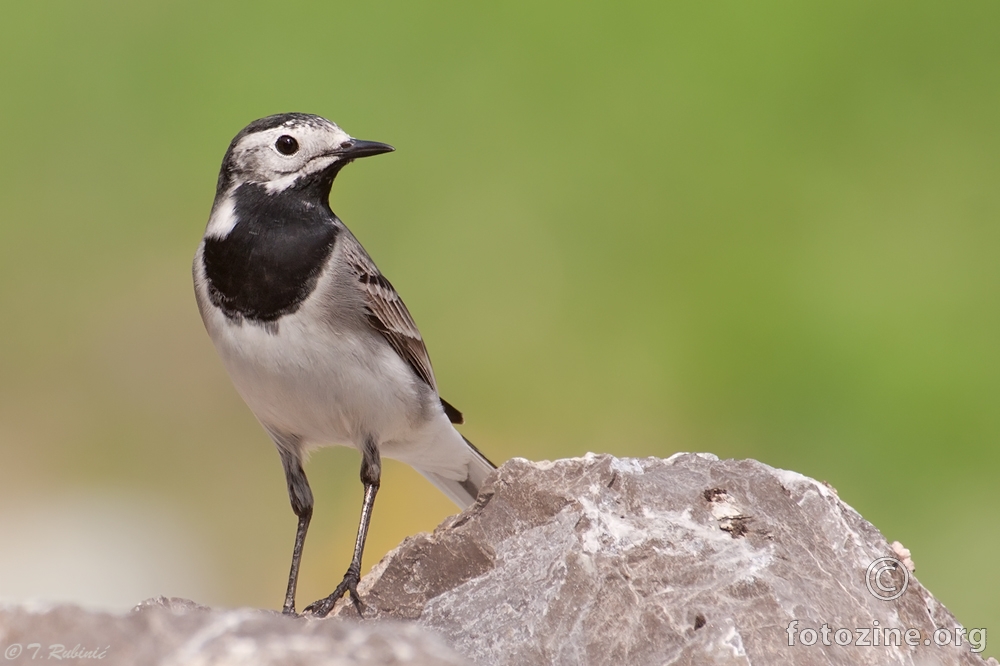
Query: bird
[316,340]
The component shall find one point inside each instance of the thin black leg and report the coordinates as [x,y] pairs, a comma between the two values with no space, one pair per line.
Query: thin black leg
[371,474]
[302,504]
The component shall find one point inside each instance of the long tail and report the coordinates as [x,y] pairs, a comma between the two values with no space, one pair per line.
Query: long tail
[464,493]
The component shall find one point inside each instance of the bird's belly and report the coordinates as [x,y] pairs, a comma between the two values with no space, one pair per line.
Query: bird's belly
[324,386]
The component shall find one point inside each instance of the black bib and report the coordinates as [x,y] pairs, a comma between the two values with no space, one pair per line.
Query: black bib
[269,263]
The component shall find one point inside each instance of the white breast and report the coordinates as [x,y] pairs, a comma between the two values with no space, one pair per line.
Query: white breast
[327,380]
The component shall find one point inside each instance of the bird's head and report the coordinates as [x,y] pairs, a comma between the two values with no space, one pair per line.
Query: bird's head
[291,150]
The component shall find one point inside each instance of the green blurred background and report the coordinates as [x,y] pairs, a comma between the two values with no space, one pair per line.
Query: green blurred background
[763,230]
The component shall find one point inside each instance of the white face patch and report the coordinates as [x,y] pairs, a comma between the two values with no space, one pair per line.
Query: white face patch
[312,166]
[257,160]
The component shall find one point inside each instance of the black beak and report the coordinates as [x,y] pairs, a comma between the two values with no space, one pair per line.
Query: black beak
[356,148]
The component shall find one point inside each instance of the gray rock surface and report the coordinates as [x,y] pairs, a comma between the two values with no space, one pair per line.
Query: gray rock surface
[173,632]
[689,560]
[595,560]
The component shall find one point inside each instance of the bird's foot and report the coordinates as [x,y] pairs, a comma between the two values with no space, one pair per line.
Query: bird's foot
[323,607]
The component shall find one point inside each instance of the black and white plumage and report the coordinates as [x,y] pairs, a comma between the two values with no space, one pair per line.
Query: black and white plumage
[315,339]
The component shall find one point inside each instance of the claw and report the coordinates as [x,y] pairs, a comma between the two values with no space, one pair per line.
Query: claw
[349,585]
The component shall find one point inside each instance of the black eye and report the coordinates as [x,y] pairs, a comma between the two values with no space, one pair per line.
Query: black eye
[287,145]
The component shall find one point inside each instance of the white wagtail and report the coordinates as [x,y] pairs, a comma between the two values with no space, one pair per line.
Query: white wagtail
[316,340]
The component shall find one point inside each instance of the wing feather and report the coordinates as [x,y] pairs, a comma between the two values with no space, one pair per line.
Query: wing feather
[389,316]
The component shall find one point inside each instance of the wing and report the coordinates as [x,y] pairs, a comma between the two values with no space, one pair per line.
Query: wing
[389,316]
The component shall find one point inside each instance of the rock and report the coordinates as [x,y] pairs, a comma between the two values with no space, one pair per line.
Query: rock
[175,632]
[595,560]
[689,560]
